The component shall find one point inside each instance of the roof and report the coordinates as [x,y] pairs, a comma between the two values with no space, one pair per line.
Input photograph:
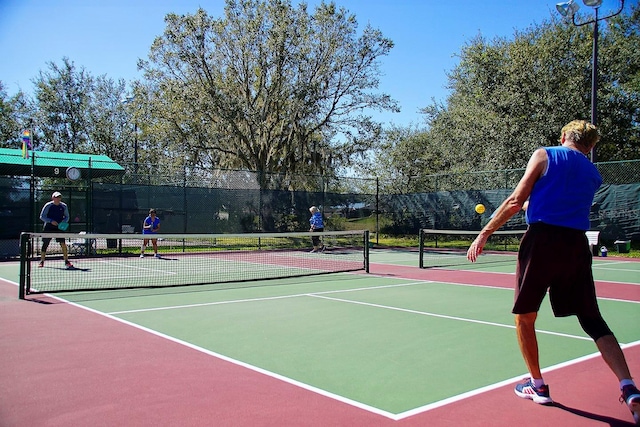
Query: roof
[52,164]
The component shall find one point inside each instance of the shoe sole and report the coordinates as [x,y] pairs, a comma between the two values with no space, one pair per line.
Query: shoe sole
[537,399]
[634,407]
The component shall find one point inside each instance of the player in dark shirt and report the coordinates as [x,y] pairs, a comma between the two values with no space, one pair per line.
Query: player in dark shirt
[53,213]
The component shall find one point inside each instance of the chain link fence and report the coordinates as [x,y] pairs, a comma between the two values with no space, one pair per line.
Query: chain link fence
[449,199]
[201,200]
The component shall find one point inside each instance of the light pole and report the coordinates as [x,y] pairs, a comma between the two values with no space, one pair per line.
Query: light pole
[568,10]
[126,101]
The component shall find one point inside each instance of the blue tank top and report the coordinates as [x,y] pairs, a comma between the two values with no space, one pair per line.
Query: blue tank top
[154,223]
[564,194]
[316,220]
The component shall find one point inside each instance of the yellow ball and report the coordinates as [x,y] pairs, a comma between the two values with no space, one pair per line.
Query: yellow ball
[480,208]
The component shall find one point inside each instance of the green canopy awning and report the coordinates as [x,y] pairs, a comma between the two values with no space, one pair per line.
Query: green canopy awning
[55,165]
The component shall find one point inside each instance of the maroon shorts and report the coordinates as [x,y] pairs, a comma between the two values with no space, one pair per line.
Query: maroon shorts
[557,259]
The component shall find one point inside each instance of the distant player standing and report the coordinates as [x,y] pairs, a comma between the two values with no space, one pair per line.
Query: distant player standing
[317,225]
[53,213]
[560,184]
[151,225]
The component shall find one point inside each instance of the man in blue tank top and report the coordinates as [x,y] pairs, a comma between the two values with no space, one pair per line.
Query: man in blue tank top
[559,184]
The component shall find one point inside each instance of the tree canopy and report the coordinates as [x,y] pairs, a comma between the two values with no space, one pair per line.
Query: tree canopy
[511,96]
[15,114]
[274,88]
[268,87]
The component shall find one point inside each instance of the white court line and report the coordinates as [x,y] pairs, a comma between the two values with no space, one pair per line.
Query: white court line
[442,316]
[368,408]
[473,271]
[619,300]
[153,270]
[254,368]
[323,296]
[204,304]
[351,402]
[603,262]
[506,382]
[617,283]
[36,282]
[264,266]
[616,269]
[109,276]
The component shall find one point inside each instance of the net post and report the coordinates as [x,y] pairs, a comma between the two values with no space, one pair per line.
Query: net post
[366,251]
[421,248]
[24,265]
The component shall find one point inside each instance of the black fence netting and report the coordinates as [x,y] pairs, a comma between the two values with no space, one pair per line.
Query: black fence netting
[199,200]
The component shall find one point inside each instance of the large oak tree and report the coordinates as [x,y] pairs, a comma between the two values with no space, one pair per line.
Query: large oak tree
[268,87]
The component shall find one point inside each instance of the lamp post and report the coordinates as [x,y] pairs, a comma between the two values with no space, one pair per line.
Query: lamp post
[568,10]
[126,101]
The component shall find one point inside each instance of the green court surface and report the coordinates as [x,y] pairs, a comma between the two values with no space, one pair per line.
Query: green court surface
[616,271]
[605,269]
[392,346]
[396,257]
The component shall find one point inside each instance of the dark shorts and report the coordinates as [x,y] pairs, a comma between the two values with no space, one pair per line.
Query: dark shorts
[315,240]
[557,259]
[50,228]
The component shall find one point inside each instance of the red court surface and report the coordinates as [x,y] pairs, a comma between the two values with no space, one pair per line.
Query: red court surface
[61,365]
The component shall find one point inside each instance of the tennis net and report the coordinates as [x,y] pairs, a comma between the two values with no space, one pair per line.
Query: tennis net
[448,248]
[113,261]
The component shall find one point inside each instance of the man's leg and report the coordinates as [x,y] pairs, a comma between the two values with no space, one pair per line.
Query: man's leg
[43,250]
[534,387]
[145,242]
[526,332]
[614,357]
[65,252]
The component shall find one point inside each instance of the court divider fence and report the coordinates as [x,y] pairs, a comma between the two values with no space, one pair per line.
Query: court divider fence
[201,200]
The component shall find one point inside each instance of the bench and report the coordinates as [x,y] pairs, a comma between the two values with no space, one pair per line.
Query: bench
[83,247]
[128,229]
[592,237]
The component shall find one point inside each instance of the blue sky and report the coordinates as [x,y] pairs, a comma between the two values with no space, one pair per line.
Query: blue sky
[108,37]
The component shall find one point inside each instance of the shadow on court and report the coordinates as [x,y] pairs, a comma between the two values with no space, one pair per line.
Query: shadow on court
[613,422]
[74,268]
[43,301]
